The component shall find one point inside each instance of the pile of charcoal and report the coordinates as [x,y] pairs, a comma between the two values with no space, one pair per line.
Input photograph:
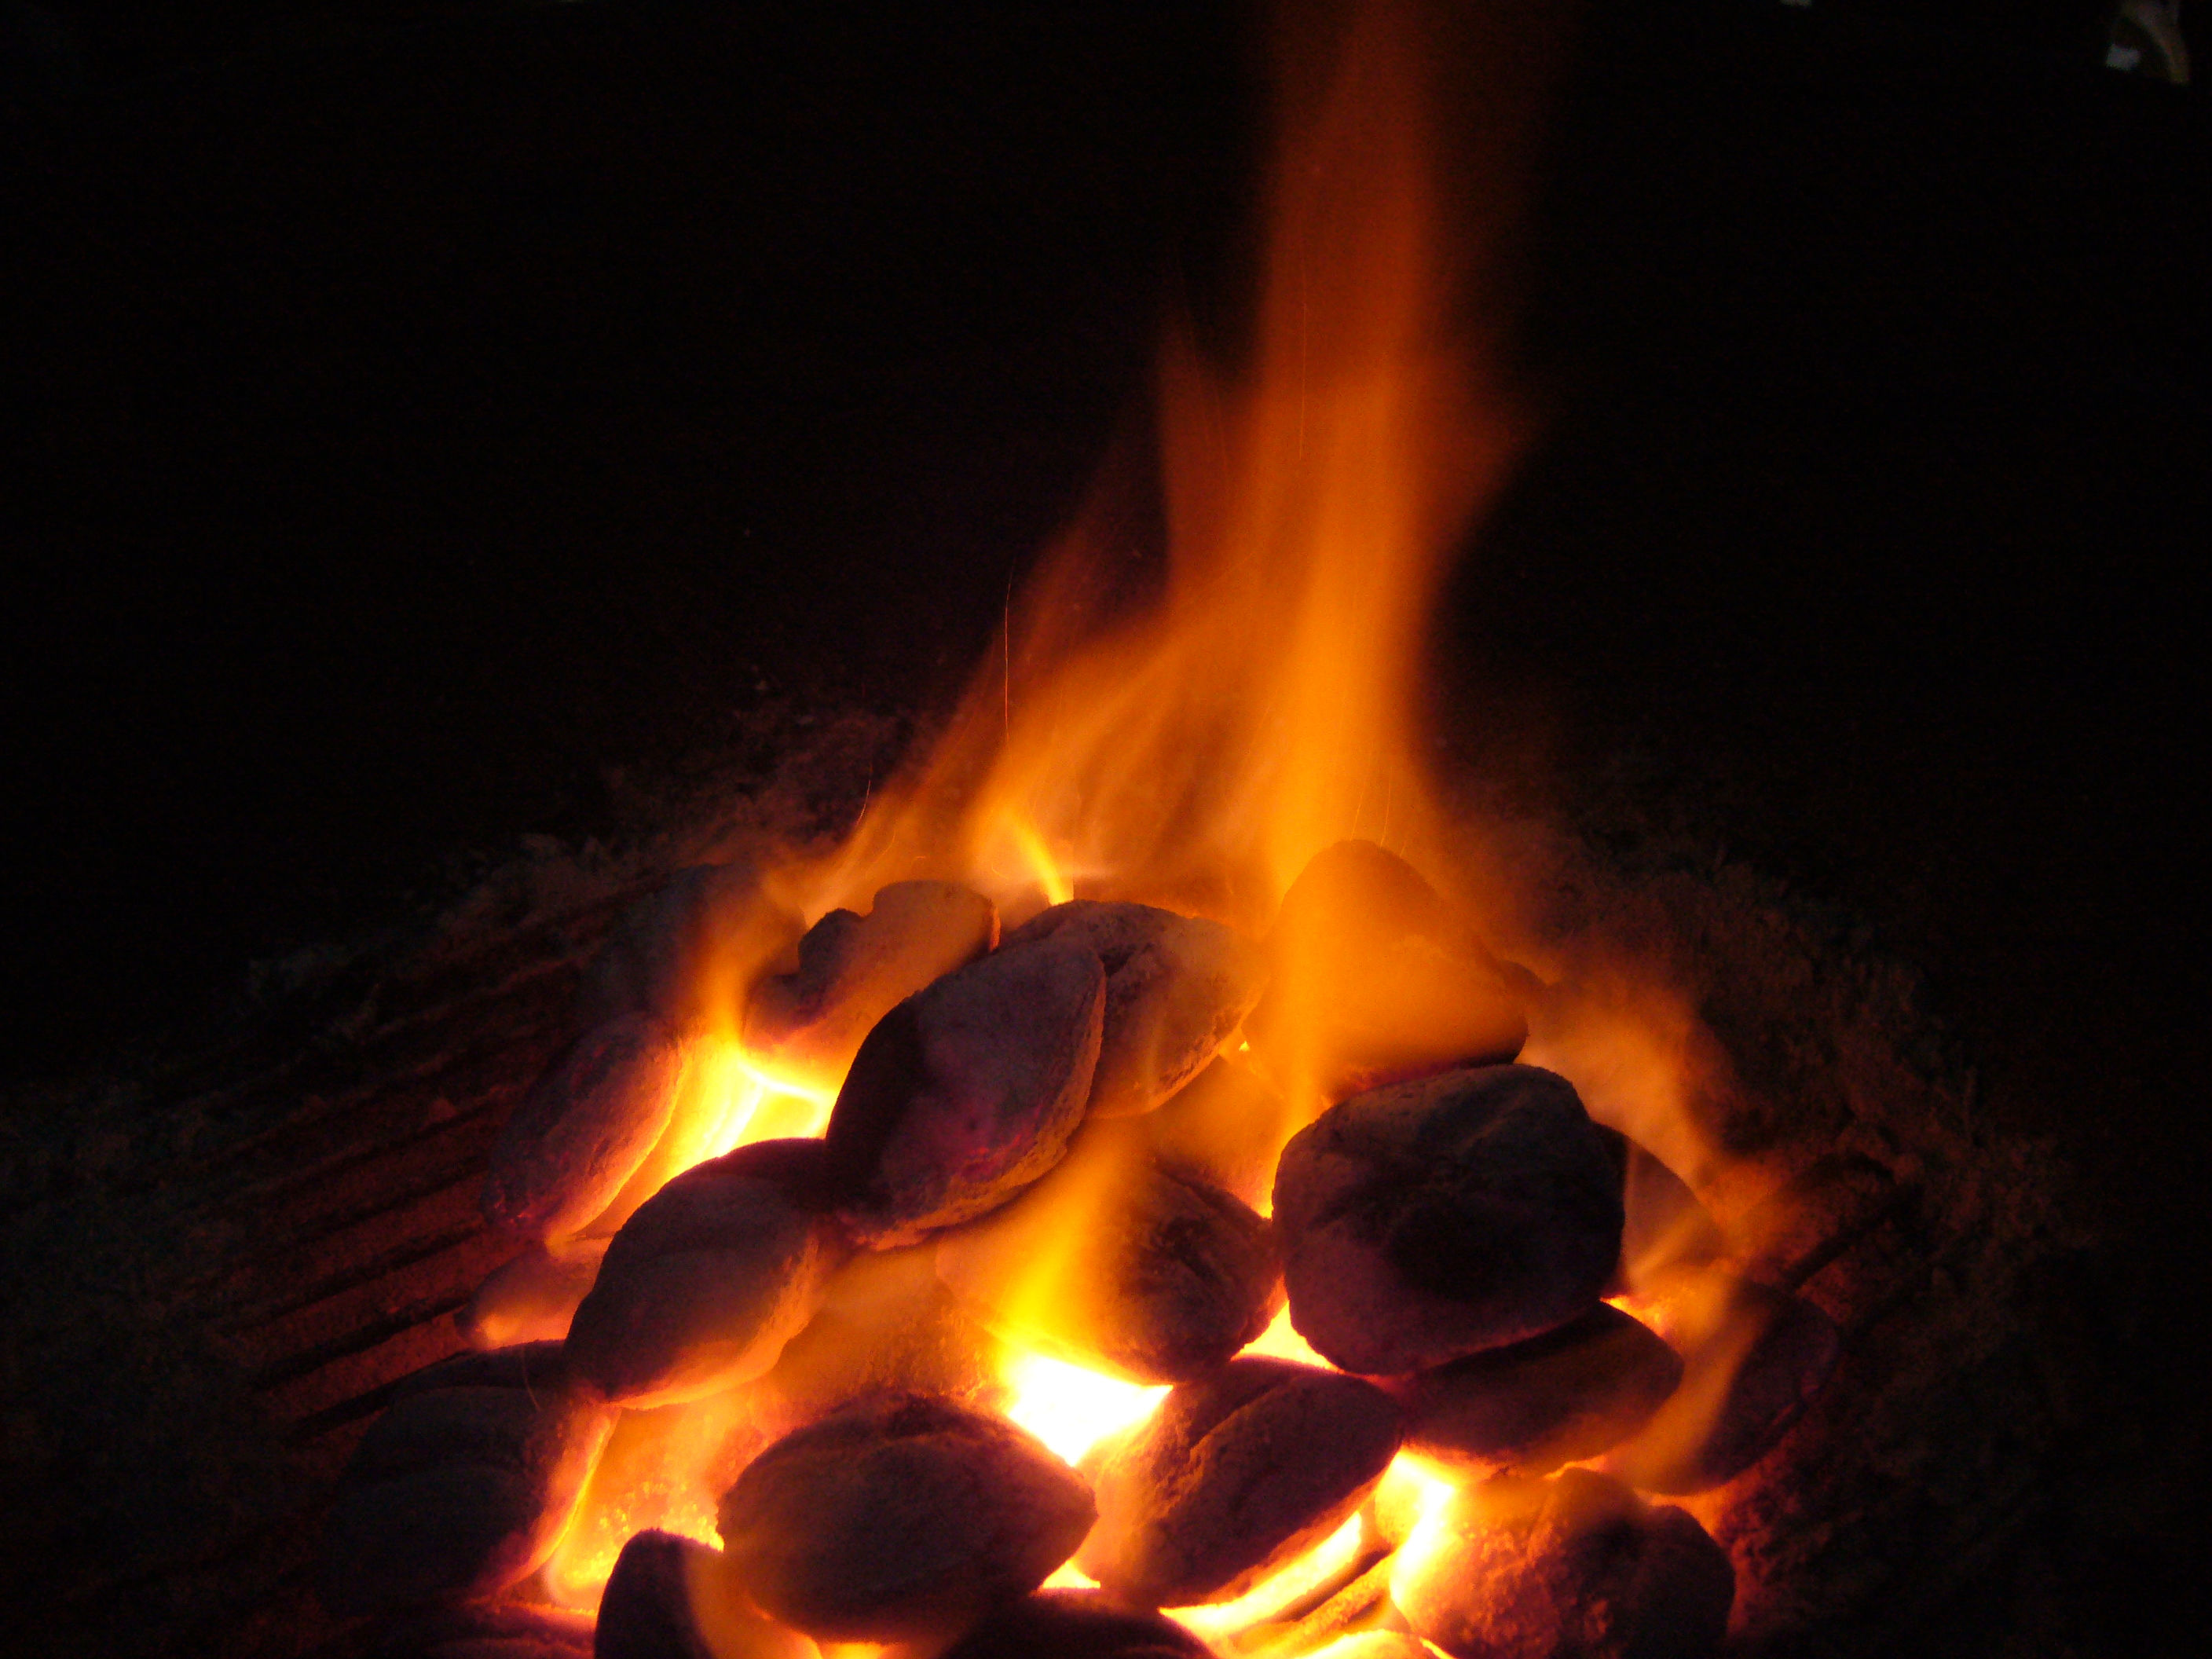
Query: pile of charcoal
[1056,1142]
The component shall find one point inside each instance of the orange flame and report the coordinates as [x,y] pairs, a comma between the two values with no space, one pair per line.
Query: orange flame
[1072,1408]
[1263,706]
[1198,749]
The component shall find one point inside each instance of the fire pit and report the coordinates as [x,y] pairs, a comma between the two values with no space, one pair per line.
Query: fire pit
[1161,1149]
[1162,1170]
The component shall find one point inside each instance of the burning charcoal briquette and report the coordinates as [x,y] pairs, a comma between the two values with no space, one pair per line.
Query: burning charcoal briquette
[670,1598]
[1153,1274]
[900,1518]
[1176,989]
[967,1092]
[854,970]
[686,955]
[703,1287]
[1375,982]
[1231,1477]
[462,1486]
[1575,1567]
[1754,1359]
[1066,1623]
[1436,1219]
[533,1297]
[580,1133]
[1531,1407]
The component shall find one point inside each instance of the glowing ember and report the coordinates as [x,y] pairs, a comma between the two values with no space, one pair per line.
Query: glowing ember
[1331,1557]
[1409,1493]
[663,1469]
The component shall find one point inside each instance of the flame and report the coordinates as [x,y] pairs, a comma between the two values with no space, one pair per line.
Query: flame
[1051,880]
[1637,1054]
[1195,746]
[1281,1341]
[1070,1408]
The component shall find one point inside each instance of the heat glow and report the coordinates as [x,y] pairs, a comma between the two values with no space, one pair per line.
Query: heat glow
[1194,743]
[1072,1409]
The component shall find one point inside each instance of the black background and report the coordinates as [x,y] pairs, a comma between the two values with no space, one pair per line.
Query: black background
[414,415]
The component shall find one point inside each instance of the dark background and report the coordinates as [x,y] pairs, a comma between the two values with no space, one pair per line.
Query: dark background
[419,414]
[418,411]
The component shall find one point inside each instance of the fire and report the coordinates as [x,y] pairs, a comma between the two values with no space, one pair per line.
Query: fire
[1071,1408]
[1326,1560]
[1197,748]
[1280,1341]
[1041,862]
[659,1470]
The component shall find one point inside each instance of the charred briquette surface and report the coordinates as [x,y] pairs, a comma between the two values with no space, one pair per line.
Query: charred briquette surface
[1232,1476]
[1754,1359]
[1575,1567]
[1077,1625]
[584,1129]
[853,969]
[1177,988]
[1154,1273]
[533,1297]
[705,1284]
[686,955]
[670,1598]
[1440,1218]
[1375,980]
[1533,1406]
[488,1630]
[900,1518]
[462,1488]
[967,1091]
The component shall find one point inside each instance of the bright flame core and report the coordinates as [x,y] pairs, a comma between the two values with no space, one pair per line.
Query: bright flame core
[1070,1408]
